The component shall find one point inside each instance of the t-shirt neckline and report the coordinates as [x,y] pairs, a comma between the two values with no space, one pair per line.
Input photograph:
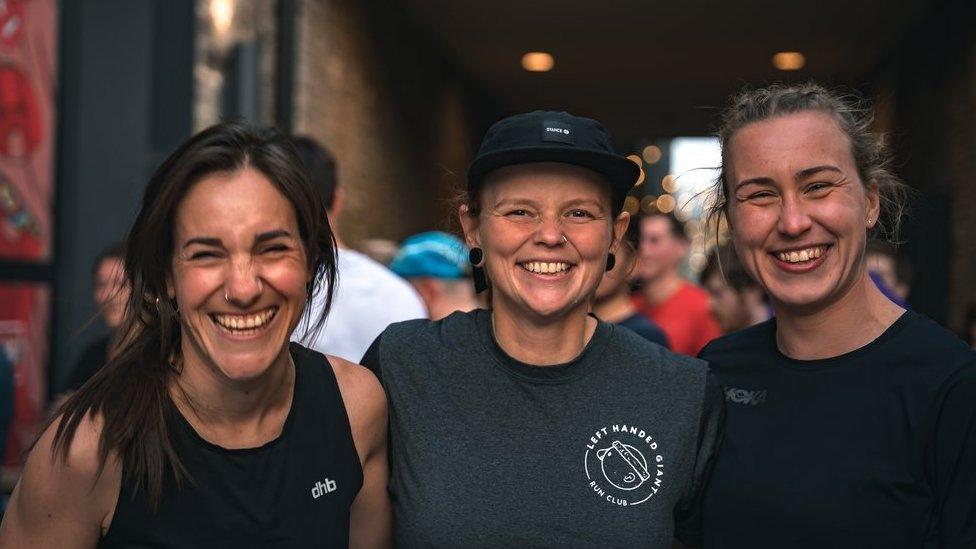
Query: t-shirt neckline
[556,373]
[855,355]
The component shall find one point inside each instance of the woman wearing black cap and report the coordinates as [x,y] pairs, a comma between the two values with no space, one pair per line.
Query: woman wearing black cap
[533,423]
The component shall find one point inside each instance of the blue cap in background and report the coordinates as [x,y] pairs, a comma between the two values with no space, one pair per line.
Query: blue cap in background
[433,254]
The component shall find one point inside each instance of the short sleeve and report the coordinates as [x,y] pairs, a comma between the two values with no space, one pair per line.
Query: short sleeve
[688,513]
[953,459]
[371,359]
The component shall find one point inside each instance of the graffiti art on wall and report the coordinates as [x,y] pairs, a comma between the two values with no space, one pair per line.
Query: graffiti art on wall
[27,90]
[27,64]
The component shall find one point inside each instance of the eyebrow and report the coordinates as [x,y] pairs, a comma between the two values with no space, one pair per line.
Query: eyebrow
[271,235]
[514,202]
[802,174]
[216,242]
[807,172]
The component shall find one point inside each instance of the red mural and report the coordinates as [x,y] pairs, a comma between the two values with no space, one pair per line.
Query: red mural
[27,64]
[27,113]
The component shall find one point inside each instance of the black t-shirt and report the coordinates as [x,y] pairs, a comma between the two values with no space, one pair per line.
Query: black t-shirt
[643,327]
[873,448]
[293,492]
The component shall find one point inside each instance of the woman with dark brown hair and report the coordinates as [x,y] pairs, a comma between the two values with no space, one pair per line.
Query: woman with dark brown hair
[207,428]
[850,420]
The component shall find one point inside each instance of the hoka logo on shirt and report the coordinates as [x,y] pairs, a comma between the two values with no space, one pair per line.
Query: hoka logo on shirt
[322,488]
[747,397]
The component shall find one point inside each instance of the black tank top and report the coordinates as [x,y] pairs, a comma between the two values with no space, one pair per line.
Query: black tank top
[294,491]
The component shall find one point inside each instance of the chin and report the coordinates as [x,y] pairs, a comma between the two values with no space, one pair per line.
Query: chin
[243,370]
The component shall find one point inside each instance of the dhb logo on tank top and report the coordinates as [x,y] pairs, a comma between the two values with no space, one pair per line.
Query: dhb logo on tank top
[623,465]
[322,488]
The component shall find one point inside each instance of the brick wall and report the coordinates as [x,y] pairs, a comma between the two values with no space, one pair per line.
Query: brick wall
[391,105]
[931,77]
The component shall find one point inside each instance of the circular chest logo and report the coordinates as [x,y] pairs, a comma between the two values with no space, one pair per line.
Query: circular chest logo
[623,465]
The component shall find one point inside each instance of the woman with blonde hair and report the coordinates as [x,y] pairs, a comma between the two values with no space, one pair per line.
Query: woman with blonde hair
[850,420]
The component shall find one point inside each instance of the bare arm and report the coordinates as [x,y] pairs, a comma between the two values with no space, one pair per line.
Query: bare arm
[371,520]
[62,503]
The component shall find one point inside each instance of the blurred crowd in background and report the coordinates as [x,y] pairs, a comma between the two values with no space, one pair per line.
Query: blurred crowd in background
[386,101]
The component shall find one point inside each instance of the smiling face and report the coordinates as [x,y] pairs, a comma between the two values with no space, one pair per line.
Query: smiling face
[545,229]
[798,210]
[239,274]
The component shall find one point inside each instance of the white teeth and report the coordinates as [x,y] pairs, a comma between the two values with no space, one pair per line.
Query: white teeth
[545,268]
[801,255]
[245,322]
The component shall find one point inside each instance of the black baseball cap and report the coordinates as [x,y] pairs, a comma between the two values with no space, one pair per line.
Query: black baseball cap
[550,136]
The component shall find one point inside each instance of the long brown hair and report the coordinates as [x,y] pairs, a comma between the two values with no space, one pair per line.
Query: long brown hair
[131,393]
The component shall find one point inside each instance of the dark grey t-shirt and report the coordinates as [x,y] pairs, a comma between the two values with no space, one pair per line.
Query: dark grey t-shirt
[610,449]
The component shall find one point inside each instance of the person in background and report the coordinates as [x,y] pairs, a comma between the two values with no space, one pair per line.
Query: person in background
[734,298]
[368,297]
[891,271]
[851,421]
[679,307]
[436,264]
[380,250]
[111,294]
[612,302]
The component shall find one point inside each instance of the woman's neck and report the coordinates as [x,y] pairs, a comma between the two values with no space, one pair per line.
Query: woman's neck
[235,414]
[847,324]
[616,308]
[540,341]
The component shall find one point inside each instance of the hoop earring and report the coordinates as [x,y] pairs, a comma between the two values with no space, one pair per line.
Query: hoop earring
[476,256]
[611,261]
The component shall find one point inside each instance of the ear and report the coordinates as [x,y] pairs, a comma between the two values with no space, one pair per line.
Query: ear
[170,288]
[873,192]
[620,225]
[338,204]
[470,225]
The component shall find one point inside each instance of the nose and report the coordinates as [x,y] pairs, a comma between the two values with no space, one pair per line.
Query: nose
[793,217]
[243,286]
[550,232]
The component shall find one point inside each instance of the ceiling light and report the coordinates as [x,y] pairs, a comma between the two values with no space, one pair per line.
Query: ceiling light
[789,60]
[538,61]
[651,154]
[631,205]
[648,204]
[222,14]
[665,203]
[669,183]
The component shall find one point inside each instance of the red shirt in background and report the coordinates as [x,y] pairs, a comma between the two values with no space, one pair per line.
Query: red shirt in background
[684,317]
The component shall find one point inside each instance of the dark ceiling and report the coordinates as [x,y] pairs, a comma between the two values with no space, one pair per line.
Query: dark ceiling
[658,69]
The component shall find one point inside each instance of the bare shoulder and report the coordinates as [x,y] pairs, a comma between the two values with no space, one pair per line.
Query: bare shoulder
[357,383]
[63,499]
[365,403]
[81,463]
